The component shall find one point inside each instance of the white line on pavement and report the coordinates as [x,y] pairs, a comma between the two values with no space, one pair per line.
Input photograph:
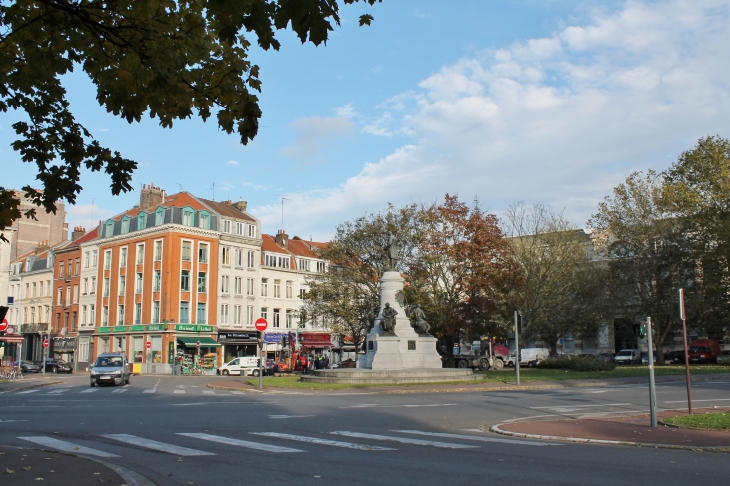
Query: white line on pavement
[150,390]
[178,391]
[90,390]
[208,392]
[57,392]
[238,393]
[581,406]
[693,401]
[476,437]
[316,440]
[289,416]
[26,391]
[241,443]
[157,446]
[404,440]
[64,446]
[121,390]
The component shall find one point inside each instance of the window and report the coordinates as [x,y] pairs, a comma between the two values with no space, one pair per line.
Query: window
[125,225]
[70,268]
[138,284]
[289,318]
[92,315]
[249,315]
[252,230]
[239,257]
[277,261]
[264,312]
[201,313]
[60,275]
[141,221]
[237,315]
[105,316]
[34,289]
[321,267]
[224,314]
[202,287]
[93,285]
[303,265]
[204,220]
[225,255]
[187,217]
[264,287]
[123,257]
[49,290]
[78,266]
[65,320]
[120,316]
[185,280]
[159,216]
[270,260]
[249,286]
[238,285]
[156,342]
[251,256]
[289,289]
[239,229]
[93,258]
[85,288]
[140,254]
[137,349]
[277,288]
[74,322]
[157,280]
[109,230]
[27,291]
[106,287]
[76,294]
[58,322]
[203,253]
[226,226]
[138,313]
[156,312]
[184,312]
[87,258]
[276,318]
[186,250]
[68,296]
[158,250]
[122,284]
[224,284]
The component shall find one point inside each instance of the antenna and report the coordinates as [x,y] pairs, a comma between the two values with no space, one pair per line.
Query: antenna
[181,186]
[283,198]
[213,188]
[92,209]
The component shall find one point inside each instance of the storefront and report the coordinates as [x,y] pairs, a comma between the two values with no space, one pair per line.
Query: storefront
[197,353]
[237,344]
[34,335]
[64,348]
[10,348]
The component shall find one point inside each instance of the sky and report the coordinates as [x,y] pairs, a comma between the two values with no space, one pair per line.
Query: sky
[552,101]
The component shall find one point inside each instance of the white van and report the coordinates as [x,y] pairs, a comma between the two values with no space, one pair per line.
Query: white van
[248,364]
[529,356]
[628,356]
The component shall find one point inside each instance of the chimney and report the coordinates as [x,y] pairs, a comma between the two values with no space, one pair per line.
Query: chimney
[78,233]
[282,239]
[151,197]
[42,246]
[240,205]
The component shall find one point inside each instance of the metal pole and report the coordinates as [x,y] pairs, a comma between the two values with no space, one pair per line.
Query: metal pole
[261,362]
[683,316]
[652,388]
[517,350]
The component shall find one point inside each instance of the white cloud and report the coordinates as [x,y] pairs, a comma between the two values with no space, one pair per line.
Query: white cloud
[86,215]
[232,162]
[346,111]
[561,119]
[312,132]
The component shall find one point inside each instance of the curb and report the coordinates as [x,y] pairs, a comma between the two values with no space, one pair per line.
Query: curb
[228,388]
[132,478]
[496,429]
[30,387]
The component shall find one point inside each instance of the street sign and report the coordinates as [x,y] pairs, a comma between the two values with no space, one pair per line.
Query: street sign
[261,324]
[148,345]
[4,325]
[197,345]
[45,343]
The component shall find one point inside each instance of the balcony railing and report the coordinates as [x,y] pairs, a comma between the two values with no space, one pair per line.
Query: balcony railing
[35,327]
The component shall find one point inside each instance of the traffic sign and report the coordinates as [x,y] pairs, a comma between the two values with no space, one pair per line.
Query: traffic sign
[4,325]
[45,343]
[261,324]
[148,345]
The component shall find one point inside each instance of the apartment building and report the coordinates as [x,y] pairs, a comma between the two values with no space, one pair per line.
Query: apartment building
[51,227]
[5,257]
[87,301]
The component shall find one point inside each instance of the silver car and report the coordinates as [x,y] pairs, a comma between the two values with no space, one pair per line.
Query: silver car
[110,368]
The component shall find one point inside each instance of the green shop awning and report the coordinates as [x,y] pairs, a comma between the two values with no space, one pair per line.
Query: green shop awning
[205,342]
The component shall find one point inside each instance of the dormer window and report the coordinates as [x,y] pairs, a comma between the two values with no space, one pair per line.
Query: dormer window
[125,225]
[109,230]
[141,221]
[204,220]
[188,216]
[159,216]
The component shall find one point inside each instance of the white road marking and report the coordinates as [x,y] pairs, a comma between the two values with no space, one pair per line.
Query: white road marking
[476,437]
[150,390]
[90,390]
[241,443]
[208,392]
[178,391]
[577,407]
[369,405]
[26,391]
[693,401]
[157,446]
[289,416]
[64,446]
[404,440]
[121,390]
[238,393]
[57,392]
[316,440]
[13,420]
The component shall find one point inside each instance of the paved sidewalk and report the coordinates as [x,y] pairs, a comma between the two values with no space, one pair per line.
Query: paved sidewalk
[238,384]
[30,467]
[634,430]
[28,382]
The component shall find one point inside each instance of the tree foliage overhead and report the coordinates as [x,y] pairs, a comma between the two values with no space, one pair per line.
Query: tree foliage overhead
[173,59]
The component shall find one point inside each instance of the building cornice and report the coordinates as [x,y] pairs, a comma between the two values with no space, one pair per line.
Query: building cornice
[166,228]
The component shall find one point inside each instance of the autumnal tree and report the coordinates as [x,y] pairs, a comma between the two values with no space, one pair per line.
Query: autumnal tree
[556,287]
[172,59]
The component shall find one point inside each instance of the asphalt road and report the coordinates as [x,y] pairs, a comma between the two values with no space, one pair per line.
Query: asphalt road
[174,430]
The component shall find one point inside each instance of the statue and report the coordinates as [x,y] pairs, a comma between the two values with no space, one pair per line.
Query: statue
[419,321]
[389,318]
[368,321]
[393,250]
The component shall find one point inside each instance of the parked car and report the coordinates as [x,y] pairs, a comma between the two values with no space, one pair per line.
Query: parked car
[724,357]
[587,356]
[29,366]
[246,365]
[58,366]
[110,368]
[606,356]
[704,351]
[675,357]
[645,357]
[628,356]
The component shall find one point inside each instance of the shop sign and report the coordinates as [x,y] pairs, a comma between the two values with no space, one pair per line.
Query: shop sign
[136,328]
[235,335]
[119,329]
[193,328]
[104,330]
[154,327]
[62,344]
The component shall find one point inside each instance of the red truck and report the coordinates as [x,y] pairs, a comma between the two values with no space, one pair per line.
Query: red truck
[704,351]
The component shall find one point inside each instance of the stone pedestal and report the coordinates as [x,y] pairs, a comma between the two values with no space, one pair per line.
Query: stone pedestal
[404,350]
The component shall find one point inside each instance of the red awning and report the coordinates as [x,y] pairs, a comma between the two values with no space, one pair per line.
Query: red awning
[317,340]
[12,338]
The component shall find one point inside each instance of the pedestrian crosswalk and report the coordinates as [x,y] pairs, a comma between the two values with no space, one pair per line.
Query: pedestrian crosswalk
[116,443]
[128,389]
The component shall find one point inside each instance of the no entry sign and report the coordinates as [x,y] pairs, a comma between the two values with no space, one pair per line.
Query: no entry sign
[4,324]
[45,343]
[261,324]
[148,345]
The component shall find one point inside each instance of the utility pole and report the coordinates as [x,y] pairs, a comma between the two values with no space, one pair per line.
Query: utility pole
[683,316]
[517,347]
[652,388]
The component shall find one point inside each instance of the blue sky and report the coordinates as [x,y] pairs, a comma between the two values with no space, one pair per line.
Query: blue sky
[540,101]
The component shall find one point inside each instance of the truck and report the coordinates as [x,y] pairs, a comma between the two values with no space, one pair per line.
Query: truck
[483,355]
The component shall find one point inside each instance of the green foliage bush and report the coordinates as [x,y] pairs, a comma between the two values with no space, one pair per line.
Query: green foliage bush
[577,364]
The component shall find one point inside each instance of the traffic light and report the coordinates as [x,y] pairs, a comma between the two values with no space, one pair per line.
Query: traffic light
[642,330]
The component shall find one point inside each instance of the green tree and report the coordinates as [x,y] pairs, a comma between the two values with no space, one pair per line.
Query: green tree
[172,59]
[555,285]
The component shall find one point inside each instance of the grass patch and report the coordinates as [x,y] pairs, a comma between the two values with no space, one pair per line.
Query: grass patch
[713,421]
[527,375]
